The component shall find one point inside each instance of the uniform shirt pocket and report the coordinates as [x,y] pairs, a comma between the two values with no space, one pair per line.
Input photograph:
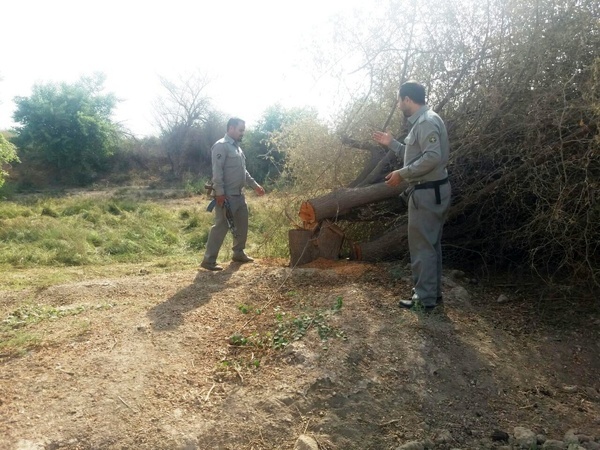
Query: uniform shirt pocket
[234,159]
[410,139]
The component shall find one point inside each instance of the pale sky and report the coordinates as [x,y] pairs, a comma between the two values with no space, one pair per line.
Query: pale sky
[257,52]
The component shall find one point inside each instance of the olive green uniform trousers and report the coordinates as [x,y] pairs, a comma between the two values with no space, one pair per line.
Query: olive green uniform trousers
[219,230]
[425,224]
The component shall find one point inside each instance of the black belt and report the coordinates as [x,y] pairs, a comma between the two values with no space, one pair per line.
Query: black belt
[433,185]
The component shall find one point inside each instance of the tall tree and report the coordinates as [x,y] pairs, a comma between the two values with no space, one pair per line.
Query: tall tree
[67,128]
[182,108]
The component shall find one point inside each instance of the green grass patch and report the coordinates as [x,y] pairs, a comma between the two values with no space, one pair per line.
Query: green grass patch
[78,232]
[100,231]
[31,314]
[16,338]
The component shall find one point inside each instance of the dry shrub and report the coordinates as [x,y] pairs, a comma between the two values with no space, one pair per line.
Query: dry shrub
[540,153]
[517,83]
[316,160]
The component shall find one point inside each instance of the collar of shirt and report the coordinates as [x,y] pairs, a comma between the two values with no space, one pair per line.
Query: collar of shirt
[230,140]
[413,119]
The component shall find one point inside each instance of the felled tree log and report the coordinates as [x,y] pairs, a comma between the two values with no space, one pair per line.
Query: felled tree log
[389,246]
[395,242]
[378,174]
[340,202]
[377,153]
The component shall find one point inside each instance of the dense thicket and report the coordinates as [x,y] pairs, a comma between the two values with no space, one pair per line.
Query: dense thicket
[518,84]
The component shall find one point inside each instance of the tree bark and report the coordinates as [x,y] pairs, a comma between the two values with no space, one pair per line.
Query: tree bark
[380,170]
[377,153]
[340,202]
[389,246]
[303,247]
[308,245]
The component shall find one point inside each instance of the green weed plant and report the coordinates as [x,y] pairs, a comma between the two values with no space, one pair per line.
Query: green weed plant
[16,336]
[291,327]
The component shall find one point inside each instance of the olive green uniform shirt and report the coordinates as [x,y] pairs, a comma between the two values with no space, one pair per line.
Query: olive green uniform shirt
[229,168]
[425,150]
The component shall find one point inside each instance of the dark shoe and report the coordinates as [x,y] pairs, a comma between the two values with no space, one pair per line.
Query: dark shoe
[243,258]
[210,266]
[416,305]
[438,301]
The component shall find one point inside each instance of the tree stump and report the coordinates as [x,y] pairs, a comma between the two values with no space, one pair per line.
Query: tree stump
[307,245]
[330,240]
[303,247]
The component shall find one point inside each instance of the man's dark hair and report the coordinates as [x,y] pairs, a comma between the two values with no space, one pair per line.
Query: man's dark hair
[234,122]
[415,91]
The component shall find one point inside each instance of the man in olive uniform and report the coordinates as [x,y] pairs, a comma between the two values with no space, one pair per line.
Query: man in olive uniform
[425,155]
[229,178]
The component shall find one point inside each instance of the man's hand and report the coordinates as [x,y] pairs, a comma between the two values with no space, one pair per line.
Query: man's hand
[393,179]
[383,138]
[220,199]
[259,190]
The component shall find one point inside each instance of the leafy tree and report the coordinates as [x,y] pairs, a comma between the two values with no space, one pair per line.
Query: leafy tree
[8,154]
[265,159]
[67,128]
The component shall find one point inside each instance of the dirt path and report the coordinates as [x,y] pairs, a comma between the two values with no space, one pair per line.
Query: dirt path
[147,362]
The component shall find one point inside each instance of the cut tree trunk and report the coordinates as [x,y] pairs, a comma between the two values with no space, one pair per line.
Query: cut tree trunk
[389,246]
[308,245]
[340,202]
[321,238]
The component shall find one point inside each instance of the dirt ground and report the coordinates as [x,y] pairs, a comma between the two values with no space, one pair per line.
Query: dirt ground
[186,361]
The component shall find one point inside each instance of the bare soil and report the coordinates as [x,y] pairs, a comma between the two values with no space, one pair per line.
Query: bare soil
[150,363]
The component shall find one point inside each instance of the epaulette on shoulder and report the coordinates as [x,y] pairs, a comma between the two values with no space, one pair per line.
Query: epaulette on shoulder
[422,117]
